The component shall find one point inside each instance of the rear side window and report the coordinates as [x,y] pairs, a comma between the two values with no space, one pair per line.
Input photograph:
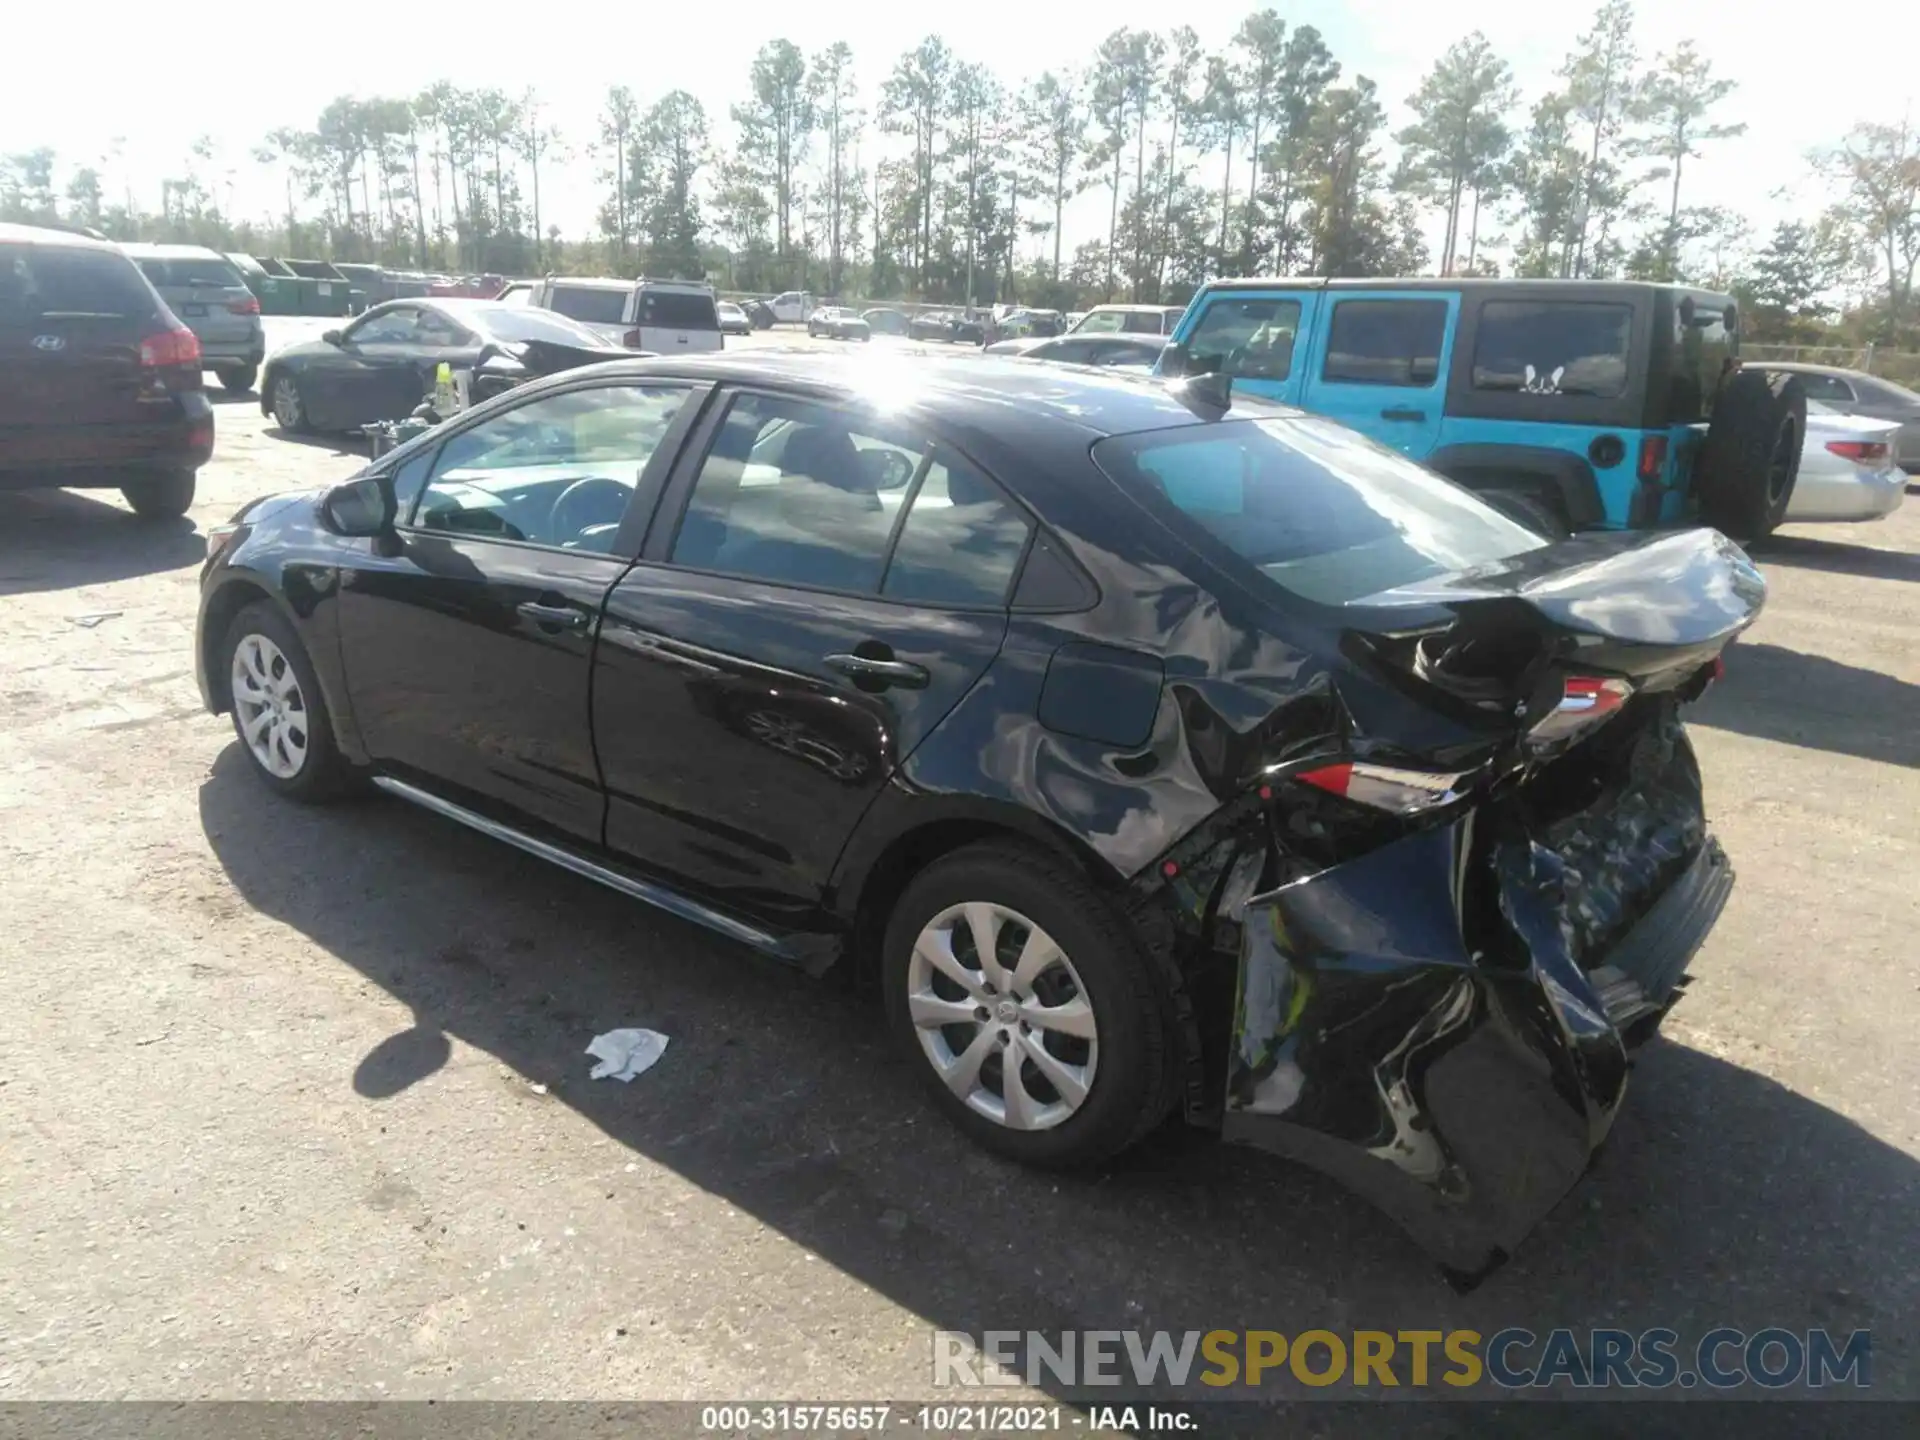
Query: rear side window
[961,541]
[1312,506]
[50,280]
[682,310]
[1824,387]
[1251,338]
[1100,322]
[589,303]
[1385,342]
[1137,322]
[1552,348]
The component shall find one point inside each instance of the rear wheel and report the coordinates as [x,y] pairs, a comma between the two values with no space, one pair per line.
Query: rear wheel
[1536,511]
[1747,467]
[1029,1008]
[278,711]
[289,410]
[237,380]
[165,495]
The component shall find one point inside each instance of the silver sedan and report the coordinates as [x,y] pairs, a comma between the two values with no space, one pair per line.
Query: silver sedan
[1847,468]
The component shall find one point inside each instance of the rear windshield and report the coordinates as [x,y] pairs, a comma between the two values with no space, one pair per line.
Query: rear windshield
[590,303]
[678,310]
[1552,348]
[1313,506]
[185,271]
[45,280]
[512,324]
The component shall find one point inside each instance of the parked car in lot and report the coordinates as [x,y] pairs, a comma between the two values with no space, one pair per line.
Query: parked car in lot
[760,313]
[1128,320]
[100,383]
[733,320]
[1853,392]
[205,290]
[1122,352]
[949,326]
[835,323]
[1847,468]
[1151,756]
[661,316]
[885,322]
[380,366]
[1573,404]
[791,307]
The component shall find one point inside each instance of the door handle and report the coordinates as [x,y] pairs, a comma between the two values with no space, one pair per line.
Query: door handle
[560,617]
[1400,413]
[895,672]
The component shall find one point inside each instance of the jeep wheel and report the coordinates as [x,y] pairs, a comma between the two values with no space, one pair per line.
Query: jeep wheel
[1751,459]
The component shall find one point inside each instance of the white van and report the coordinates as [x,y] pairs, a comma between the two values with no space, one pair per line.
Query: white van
[663,317]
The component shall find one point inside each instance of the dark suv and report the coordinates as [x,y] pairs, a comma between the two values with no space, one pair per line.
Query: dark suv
[100,384]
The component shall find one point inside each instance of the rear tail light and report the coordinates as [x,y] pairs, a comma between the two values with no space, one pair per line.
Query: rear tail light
[1653,458]
[1860,452]
[631,339]
[1386,787]
[248,306]
[1586,703]
[170,347]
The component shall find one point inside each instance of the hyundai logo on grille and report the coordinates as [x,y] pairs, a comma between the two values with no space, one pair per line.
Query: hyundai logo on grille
[49,342]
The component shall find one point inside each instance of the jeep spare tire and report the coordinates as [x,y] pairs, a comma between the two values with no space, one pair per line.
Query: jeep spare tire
[1751,457]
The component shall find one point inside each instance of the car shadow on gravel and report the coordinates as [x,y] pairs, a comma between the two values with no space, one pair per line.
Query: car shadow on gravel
[333,444]
[1723,1197]
[1837,557]
[1773,693]
[63,539]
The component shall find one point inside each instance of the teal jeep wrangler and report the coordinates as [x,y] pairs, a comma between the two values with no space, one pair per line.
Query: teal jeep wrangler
[1570,404]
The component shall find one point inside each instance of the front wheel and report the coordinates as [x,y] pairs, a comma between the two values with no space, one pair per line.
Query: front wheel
[1029,1007]
[279,714]
[165,496]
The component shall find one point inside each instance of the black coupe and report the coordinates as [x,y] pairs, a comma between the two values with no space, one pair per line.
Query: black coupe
[1155,749]
[380,366]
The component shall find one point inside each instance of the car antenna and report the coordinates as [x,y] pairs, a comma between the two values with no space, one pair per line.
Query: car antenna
[1209,396]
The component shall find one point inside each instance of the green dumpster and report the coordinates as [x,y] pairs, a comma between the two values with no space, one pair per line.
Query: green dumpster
[277,296]
[326,290]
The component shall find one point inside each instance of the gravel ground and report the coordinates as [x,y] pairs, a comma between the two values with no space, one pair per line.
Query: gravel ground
[294,1105]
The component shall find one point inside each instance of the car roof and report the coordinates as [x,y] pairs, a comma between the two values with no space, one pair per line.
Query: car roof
[592,282]
[13,234]
[1456,284]
[988,394]
[1136,309]
[1808,367]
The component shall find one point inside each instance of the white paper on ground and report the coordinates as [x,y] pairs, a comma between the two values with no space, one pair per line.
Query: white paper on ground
[624,1054]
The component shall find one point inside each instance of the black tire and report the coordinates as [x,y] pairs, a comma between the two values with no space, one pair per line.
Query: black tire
[1750,462]
[325,773]
[164,495]
[1533,509]
[292,415]
[238,380]
[1138,1072]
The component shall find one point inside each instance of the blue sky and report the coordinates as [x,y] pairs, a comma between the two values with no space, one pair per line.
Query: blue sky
[159,81]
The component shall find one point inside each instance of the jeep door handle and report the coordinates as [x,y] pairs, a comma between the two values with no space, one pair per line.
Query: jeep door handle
[897,672]
[562,617]
[1403,414]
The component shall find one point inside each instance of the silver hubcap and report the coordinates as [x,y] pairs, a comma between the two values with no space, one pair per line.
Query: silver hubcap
[268,706]
[286,404]
[1002,1016]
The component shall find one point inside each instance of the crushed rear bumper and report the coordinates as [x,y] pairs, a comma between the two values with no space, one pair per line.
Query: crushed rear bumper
[1444,1024]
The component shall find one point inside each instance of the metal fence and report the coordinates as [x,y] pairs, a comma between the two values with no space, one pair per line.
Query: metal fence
[1900,366]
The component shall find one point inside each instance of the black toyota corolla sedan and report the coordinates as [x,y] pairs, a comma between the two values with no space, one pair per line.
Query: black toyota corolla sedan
[1155,749]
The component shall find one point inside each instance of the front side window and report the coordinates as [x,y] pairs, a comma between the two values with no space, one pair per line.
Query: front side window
[1385,342]
[1552,348]
[558,471]
[961,541]
[1250,339]
[1144,322]
[1312,506]
[797,493]
[389,327]
[1100,322]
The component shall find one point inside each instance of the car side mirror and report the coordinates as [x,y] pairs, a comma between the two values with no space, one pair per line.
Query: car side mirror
[1173,361]
[1423,371]
[366,506]
[333,337]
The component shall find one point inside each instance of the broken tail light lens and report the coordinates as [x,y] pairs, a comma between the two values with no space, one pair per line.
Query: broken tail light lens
[1586,703]
[1387,787]
[1860,452]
